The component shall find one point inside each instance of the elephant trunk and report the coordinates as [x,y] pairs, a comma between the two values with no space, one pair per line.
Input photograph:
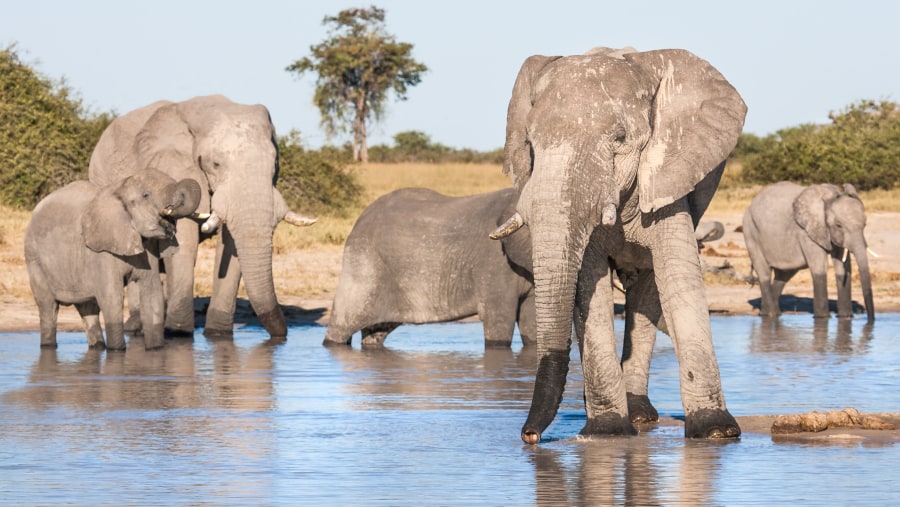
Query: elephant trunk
[557,258]
[862,263]
[252,226]
[182,198]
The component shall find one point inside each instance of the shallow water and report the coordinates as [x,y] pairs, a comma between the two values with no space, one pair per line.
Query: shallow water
[431,419]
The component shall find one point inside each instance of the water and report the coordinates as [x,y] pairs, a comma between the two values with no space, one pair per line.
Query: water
[432,419]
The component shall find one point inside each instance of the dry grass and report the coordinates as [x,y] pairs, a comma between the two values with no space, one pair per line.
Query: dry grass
[307,260]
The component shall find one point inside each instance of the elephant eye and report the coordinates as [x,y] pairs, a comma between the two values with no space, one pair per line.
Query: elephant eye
[146,194]
[620,136]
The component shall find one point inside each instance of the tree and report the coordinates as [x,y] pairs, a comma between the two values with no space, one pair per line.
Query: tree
[357,65]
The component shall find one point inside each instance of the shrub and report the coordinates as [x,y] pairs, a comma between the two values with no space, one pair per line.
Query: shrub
[315,181]
[46,135]
[860,146]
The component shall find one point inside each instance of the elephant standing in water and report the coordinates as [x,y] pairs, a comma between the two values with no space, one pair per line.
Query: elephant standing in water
[789,227]
[616,155]
[83,241]
[232,151]
[417,256]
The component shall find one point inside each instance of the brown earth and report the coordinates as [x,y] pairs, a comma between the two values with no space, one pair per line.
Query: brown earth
[306,280]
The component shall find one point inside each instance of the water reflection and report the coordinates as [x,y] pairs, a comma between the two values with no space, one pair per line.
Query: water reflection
[383,378]
[644,470]
[773,334]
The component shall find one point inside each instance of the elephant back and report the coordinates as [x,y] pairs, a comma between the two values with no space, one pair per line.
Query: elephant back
[114,157]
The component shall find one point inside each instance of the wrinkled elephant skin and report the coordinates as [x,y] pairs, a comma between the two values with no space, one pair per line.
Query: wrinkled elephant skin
[616,155]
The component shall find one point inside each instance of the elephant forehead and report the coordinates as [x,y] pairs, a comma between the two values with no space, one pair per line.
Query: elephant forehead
[848,210]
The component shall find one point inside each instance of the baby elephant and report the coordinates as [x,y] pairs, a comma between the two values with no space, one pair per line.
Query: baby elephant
[85,242]
[789,227]
[416,256]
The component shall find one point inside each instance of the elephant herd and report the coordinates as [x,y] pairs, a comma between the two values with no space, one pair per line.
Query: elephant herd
[614,156]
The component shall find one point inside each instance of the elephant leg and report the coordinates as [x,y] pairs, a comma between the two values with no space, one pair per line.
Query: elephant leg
[780,278]
[226,281]
[820,294]
[498,317]
[375,335]
[526,320]
[764,273]
[111,305]
[682,295]
[152,300]
[642,317]
[180,280]
[48,307]
[90,316]
[604,388]
[842,274]
[133,323]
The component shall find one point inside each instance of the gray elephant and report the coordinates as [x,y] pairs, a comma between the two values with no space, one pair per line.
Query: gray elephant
[231,150]
[788,227]
[417,256]
[617,154]
[84,241]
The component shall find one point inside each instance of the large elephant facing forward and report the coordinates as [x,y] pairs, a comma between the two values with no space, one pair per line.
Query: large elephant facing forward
[417,256]
[617,154]
[788,227]
[231,150]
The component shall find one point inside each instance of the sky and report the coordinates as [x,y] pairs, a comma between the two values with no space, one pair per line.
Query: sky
[793,61]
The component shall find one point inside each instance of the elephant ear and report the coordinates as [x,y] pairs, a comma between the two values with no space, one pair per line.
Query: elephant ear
[695,119]
[517,153]
[106,226]
[809,212]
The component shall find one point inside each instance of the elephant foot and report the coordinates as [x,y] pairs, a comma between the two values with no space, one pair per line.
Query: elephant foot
[48,345]
[219,324]
[712,424]
[97,345]
[497,344]
[133,324]
[273,321]
[178,333]
[640,410]
[608,424]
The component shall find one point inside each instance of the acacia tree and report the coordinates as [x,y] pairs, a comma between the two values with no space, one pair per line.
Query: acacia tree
[357,65]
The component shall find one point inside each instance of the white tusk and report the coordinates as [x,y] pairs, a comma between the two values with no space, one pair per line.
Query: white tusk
[844,257]
[618,285]
[512,225]
[298,219]
[200,216]
[211,224]
[167,211]
[872,252]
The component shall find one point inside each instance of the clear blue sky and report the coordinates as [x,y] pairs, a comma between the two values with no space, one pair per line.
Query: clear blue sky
[792,61]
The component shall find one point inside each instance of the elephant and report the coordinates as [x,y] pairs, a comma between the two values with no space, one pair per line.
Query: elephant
[231,150]
[789,227]
[418,256]
[84,241]
[616,155]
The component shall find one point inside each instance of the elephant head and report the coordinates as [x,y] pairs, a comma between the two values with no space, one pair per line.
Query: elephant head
[835,221]
[141,206]
[596,141]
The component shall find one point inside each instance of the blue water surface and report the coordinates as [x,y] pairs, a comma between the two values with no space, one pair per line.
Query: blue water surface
[431,419]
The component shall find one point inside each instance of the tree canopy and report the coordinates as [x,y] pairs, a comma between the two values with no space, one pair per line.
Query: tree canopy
[357,65]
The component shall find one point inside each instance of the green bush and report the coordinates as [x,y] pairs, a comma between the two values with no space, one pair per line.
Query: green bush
[861,145]
[315,181]
[46,134]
